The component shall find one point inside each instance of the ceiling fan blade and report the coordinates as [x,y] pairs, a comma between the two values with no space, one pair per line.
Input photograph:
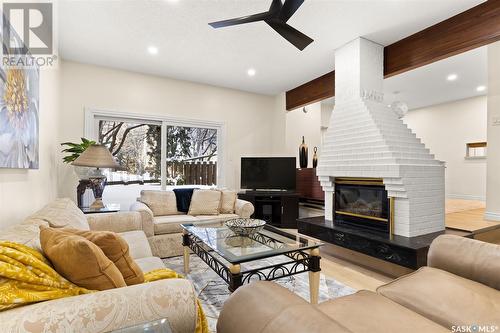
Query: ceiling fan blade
[289,8]
[241,20]
[275,7]
[291,34]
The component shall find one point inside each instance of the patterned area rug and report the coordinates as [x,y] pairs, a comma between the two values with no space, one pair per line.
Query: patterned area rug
[213,292]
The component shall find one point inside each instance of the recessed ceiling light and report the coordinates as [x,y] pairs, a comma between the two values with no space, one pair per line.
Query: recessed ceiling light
[251,72]
[481,88]
[452,77]
[153,50]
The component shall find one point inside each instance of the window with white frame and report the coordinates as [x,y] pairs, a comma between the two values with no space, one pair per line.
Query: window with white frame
[136,146]
[191,155]
[158,151]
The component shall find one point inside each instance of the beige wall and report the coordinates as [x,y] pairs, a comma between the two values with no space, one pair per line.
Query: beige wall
[290,126]
[24,191]
[493,178]
[278,119]
[298,124]
[249,130]
[445,129]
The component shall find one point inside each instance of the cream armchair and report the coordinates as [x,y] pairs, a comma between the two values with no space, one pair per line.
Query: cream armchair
[165,233]
[173,299]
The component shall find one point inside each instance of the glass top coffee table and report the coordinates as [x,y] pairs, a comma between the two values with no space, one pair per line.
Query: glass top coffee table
[224,252]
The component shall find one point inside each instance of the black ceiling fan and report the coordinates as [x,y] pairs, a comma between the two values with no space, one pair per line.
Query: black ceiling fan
[276,17]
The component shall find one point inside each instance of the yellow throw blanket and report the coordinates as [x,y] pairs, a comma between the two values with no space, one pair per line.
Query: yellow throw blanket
[27,277]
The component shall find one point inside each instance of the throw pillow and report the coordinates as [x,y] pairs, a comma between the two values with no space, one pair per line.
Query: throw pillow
[205,202]
[160,202]
[117,250]
[227,202]
[79,260]
[183,197]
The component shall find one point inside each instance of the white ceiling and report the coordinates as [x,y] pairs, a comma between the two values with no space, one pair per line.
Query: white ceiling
[118,33]
[428,85]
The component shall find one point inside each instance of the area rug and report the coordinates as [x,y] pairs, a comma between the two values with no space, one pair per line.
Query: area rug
[213,292]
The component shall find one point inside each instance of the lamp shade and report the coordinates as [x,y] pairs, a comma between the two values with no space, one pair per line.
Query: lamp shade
[97,156]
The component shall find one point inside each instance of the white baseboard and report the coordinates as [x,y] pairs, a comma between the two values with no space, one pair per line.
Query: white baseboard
[492,216]
[466,197]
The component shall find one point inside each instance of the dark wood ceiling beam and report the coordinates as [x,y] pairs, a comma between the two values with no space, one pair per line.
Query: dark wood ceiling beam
[312,91]
[473,28]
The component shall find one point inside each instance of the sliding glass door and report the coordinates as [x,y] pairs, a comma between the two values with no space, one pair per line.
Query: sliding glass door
[136,146]
[158,152]
[191,155]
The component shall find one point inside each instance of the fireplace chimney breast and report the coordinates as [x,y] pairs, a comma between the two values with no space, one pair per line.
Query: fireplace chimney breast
[366,139]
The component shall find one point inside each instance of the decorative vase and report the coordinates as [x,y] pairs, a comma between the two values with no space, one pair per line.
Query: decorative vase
[303,154]
[97,184]
[315,157]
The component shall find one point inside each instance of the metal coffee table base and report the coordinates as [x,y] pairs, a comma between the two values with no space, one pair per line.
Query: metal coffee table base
[301,261]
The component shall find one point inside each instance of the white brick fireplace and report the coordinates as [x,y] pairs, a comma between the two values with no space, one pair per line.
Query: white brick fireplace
[365,139]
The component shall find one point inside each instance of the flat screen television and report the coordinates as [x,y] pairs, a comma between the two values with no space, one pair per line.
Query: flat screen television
[268,173]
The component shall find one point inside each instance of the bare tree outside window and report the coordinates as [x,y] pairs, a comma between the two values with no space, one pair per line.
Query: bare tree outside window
[191,153]
[137,147]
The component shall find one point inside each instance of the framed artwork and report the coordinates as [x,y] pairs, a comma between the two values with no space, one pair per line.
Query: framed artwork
[19,111]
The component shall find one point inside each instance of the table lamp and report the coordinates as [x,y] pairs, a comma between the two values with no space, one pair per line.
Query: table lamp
[97,156]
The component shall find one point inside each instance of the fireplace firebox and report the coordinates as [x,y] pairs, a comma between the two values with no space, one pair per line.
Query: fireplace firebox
[362,203]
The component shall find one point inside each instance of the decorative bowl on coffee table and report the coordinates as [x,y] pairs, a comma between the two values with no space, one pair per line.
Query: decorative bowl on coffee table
[245,227]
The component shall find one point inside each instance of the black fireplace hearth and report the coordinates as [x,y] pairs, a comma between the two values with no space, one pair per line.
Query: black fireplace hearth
[410,252]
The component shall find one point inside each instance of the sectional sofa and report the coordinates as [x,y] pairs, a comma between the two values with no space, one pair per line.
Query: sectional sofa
[457,292]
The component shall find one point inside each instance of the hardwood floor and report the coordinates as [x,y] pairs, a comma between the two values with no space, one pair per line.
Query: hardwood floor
[459,205]
[469,220]
[468,215]
[352,275]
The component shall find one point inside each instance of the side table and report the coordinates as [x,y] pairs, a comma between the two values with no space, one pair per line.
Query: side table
[109,208]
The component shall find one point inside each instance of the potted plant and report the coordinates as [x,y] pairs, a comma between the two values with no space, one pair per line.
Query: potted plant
[73,151]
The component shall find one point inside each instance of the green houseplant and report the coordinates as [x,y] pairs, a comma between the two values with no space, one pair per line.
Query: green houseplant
[75,149]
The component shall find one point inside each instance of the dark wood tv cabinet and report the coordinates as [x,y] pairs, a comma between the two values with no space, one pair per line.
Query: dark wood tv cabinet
[280,209]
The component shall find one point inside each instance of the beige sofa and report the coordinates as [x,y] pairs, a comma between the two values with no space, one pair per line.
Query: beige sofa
[458,290]
[102,311]
[165,233]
